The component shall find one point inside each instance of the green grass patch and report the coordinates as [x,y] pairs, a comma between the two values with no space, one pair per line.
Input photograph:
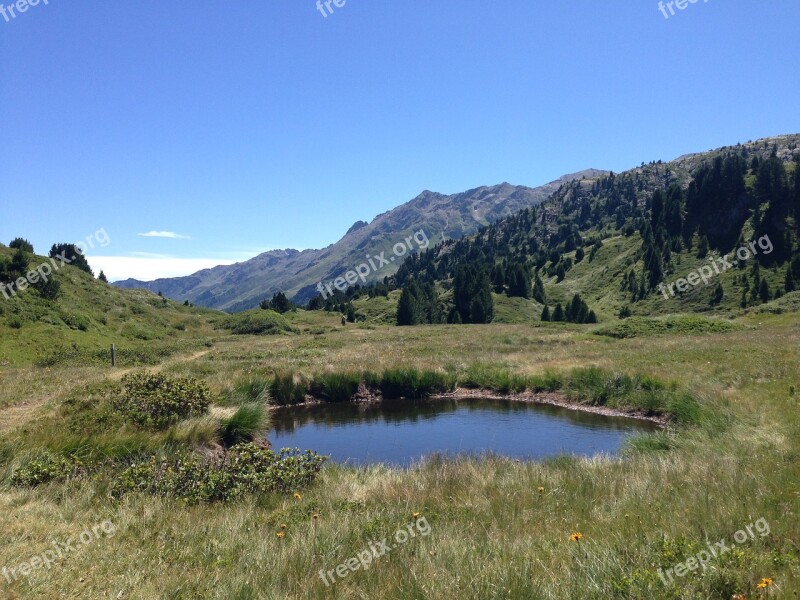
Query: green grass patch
[256,322]
[676,325]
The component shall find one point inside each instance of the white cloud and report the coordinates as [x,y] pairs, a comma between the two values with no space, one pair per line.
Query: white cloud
[147,268]
[165,234]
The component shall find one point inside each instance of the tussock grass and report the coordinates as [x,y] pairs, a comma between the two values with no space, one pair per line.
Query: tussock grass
[244,425]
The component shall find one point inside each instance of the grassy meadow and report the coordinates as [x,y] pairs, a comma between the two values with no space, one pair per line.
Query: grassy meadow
[498,528]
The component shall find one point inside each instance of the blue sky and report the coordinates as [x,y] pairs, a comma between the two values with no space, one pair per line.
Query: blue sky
[243,126]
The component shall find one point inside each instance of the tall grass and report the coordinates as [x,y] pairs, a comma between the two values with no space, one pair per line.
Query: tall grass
[336,387]
[249,421]
[251,390]
[288,388]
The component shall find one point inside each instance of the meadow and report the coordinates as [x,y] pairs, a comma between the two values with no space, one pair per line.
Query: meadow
[498,528]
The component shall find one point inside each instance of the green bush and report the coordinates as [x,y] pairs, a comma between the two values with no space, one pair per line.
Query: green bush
[245,469]
[157,401]
[43,468]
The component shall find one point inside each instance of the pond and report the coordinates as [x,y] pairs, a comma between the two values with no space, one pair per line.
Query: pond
[401,432]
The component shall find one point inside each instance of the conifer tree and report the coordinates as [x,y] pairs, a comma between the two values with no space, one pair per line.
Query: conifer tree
[558,314]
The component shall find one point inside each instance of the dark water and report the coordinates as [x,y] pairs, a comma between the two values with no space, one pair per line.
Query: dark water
[401,432]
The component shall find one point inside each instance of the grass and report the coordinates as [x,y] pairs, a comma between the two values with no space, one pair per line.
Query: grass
[249,421]
[493,533]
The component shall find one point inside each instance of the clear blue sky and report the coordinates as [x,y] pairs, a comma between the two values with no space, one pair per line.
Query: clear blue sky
[248,126]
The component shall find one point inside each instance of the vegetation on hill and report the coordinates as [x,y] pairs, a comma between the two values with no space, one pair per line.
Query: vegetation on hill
[679,218]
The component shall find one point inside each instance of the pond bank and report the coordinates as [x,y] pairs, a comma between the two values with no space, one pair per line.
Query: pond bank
[558,399]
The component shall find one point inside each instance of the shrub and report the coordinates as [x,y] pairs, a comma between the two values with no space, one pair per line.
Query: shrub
[245,469]
[158,401]
[43,468]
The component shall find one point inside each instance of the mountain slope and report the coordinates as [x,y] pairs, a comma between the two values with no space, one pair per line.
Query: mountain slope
[626,242]
[243,285]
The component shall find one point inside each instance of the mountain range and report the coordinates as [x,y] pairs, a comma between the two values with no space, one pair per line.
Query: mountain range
[243,285]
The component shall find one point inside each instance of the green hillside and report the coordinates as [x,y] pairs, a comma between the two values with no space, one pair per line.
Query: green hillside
[88,316]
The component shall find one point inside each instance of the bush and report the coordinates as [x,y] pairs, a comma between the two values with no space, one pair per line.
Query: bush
[245,469]
[158,401]
[245,424]
[43,468]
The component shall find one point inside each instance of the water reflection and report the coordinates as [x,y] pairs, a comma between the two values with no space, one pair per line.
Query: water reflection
[400,432]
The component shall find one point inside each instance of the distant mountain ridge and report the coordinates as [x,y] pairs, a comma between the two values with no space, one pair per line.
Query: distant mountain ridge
[243,285]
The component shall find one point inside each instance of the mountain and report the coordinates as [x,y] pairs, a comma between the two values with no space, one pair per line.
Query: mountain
[243,285]
[714,232]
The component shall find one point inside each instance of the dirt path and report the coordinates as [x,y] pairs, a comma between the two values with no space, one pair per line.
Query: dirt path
[19,414]
[120,373]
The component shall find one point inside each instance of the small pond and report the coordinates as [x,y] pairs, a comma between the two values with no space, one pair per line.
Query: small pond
[401,432]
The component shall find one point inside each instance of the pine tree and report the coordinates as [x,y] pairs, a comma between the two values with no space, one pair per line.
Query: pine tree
[763,291]
[538,290]
[718,295]
[519,282]
[482,305]
[545,314]
[102,277]
[19,264]
[73,254]
[454,317]
[407,309]
[498,278]
[789,284]
[702,247]
[797,190]
[558,314]
[21,244]
[280,303]
[579,255]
